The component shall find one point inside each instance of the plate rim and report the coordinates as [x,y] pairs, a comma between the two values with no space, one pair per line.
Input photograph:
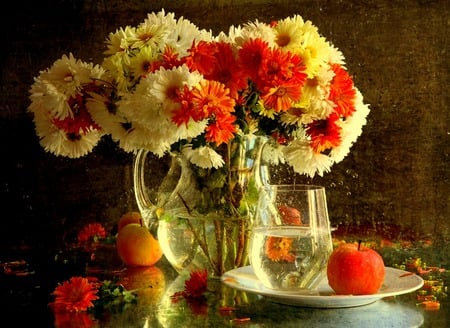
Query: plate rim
[315,300]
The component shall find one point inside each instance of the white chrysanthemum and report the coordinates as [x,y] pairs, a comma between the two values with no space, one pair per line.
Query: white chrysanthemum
[318,108]
[118,71]
[140,62]
[288,34]
[234,32]
[273,153]
[351,128]
[156,29]
[120,41]
[314,51]
[153,35]
[68,74]
[166,81]
[255,30]
[153,116]
[336,56]
[297,116]
[160,18]
[139,137]
[314,103]
[52,89]
[45,98]
[57,142]
[303,160]
[183,35]
[204,157]
[104,114]
[150,122]
[141,106]
[191,129]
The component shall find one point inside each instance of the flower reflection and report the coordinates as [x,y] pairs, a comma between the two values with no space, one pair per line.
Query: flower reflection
[279,248]
[194,292]
[73,320]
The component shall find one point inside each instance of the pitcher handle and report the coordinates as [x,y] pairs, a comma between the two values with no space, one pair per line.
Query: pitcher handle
[145,205]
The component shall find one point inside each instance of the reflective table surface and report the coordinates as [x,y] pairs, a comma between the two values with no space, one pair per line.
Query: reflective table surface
[26,293]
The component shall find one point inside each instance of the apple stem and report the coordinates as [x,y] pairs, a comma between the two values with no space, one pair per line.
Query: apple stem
[359,244]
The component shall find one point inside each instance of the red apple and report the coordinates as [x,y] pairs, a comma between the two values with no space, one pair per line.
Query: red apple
[290,215]
[354,269]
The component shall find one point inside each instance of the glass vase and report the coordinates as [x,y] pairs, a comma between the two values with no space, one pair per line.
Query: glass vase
[203,217]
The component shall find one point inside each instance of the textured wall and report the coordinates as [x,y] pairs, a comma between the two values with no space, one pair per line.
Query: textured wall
[397,52]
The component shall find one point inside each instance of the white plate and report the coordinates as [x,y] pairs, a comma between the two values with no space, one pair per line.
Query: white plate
[396,282]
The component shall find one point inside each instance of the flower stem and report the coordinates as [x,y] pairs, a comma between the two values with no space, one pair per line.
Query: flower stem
[202,242]
[241,244]
[220,239]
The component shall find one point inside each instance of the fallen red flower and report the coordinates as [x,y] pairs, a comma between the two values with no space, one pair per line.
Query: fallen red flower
[74,295]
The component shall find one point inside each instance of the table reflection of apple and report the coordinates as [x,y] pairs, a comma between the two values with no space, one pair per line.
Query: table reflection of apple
[291,239]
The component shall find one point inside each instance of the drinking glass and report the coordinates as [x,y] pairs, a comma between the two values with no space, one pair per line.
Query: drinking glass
[291,237]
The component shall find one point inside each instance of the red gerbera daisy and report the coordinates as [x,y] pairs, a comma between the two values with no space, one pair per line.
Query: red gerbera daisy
[91,232]
[169,60]
[251,57]
[226,69]
[212,97]
[197,284]
[74,295]
[187,109]
[342,92]
[285,66]
[201,57]
[81,121]
[325,134]
[194,287]
[280,97]
[221,130]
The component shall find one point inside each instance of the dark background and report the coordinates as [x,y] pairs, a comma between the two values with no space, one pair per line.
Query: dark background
[397,174]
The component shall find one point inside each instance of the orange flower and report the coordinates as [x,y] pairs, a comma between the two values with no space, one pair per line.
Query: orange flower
[227,71]
[283,66]
[431,305]
[325,134]
[81,122]
[278,249]
[194,290]
[91,233]
[281,96]
[73,320]
[212,97]
[74,295]
[212,101]
[342,92]
[251,57]
[201,57]
[221,130]
[170,59]
[187,109]
[197,283]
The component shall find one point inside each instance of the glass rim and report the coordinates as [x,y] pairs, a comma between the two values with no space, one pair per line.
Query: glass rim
[293,187]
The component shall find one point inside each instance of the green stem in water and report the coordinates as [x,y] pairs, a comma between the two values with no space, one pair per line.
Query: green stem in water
[220,240]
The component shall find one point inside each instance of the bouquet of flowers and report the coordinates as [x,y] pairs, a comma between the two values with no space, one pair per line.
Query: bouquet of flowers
[168,86]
